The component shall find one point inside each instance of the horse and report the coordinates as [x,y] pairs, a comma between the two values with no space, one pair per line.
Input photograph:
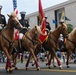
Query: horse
[51,43]
[30,41]
[54,39]
[70,45]
[7,38]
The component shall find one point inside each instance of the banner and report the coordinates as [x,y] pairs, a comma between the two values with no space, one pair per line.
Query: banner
[15,6]
[42,22]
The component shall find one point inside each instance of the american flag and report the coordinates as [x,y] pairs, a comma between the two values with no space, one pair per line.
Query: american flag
[15,6]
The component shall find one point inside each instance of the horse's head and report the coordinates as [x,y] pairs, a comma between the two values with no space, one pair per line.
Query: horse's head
[13,21]
[36,31]
[63,29]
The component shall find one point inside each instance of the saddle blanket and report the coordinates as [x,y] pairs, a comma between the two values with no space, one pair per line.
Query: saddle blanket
[18,35]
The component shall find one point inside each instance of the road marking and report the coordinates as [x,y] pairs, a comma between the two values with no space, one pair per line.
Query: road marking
[50,70]
[2,67]
[55,70]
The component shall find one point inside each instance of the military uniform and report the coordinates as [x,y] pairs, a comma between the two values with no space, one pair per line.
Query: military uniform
[2,19]
[23,21]
[48,24]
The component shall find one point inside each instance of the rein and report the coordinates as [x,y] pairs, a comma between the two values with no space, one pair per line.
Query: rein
[10,43]
[53,40]
[72,43]
[33,41]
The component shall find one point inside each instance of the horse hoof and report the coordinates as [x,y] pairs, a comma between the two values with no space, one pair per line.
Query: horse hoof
[26,68]
[46,64]
[13,66]
[68,67]
[54,65]
[32,64]
[38,68]
[10,71]
[16,68]
[60,67]
[7,70]
[49,67]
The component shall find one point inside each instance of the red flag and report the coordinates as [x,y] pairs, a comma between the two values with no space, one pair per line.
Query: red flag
[42,22]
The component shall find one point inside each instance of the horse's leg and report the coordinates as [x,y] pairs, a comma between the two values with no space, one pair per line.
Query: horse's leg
[58,60]
[49,61]
[27,63]
[33,63]
[8,64]
[48,58]
[14,60]
[54,62]
[35,59]
[67,62]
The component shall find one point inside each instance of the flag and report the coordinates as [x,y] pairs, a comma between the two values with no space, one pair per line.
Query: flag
[67,19]
[54,21]
[62,16]
[42,22]
[15,6]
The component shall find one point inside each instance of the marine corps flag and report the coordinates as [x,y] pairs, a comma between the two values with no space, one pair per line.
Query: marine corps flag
[42,23]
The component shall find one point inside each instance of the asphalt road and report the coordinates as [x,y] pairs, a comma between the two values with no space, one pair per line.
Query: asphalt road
[43,71]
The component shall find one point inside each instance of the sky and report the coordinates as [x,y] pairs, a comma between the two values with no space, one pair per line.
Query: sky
[29,6]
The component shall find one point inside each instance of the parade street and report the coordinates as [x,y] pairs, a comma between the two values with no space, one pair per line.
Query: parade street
[43,71]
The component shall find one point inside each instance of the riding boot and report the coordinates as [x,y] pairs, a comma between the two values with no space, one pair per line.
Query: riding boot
[19,44]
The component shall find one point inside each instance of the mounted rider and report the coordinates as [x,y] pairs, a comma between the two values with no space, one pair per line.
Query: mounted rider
[2,19]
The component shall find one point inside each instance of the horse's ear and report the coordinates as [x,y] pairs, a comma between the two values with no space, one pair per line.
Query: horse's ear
[8,15]
[35,27]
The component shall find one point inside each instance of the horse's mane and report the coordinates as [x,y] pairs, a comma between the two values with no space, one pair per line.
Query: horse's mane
[13,14]
[73,32]
[38,28]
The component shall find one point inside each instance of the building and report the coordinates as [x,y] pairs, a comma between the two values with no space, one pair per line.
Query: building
[67,9]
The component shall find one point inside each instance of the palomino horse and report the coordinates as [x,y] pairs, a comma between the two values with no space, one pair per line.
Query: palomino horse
[30,41]
[70,45]
[7,38]
[51,43]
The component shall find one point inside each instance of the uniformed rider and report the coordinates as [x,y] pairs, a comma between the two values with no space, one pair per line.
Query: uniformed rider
[24,22]
[2,19]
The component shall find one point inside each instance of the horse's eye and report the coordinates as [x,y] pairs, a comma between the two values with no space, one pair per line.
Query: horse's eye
[63,28]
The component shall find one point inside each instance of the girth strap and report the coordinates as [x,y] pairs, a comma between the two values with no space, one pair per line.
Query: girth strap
[10,43]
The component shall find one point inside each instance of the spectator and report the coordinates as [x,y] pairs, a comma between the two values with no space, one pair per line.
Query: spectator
[2,18]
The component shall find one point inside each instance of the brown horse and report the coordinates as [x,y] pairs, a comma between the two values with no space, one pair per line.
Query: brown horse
[70,45]
[29,42]
[53,38]
[51,43]
[7,38]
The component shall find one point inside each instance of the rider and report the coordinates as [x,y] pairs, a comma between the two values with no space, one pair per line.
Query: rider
[23,21]
[48,24]
[2,19]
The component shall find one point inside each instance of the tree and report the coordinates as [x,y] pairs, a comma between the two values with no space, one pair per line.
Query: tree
[70,27]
